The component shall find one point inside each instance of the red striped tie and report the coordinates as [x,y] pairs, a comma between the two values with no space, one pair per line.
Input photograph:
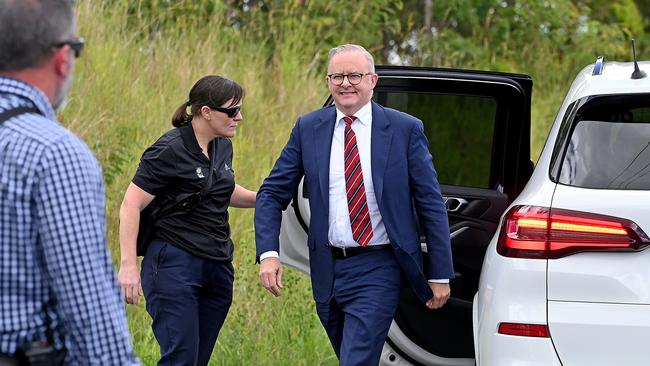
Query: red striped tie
[356,191]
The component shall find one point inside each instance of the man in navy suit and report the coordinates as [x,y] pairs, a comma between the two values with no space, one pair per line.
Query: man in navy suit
[368,171]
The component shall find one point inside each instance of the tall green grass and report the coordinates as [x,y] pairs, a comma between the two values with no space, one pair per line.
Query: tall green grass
[128,84]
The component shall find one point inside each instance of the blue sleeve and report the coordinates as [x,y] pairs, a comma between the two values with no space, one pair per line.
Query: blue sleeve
[429,205]
[70,204]
[276,192]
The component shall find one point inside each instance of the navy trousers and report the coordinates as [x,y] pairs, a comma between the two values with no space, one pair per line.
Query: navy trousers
[366,293]
[188,299]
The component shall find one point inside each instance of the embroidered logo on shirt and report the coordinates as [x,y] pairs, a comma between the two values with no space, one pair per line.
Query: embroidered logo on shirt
[228,168]
[199,173]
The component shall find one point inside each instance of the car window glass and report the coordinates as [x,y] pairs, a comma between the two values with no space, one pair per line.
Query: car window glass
[611,151]
[460,131]
[607,144]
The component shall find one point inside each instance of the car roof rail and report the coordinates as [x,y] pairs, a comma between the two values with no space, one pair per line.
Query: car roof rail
[598,67]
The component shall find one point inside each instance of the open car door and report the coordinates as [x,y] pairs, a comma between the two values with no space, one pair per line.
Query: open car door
[478,127]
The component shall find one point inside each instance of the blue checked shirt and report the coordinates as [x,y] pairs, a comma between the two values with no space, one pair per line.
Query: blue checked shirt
[53,240]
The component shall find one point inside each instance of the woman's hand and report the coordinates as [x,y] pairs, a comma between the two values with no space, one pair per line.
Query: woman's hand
[129,278]
[135,199]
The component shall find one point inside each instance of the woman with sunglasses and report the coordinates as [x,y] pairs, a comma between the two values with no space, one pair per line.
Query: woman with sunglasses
[187,273]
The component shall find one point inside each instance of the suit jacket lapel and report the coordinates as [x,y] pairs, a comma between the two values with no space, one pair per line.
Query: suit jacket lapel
[323,132]
[381,138]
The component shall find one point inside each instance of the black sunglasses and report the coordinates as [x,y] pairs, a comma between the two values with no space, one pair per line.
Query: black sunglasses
[230,112]
[77,45]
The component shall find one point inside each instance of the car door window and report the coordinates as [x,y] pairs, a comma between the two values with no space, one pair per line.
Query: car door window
[460,130]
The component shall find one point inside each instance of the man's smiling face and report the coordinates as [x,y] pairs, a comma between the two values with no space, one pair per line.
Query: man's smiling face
[347,97]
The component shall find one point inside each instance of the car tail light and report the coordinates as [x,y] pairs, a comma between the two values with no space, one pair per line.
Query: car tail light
[545,233]
[524,330]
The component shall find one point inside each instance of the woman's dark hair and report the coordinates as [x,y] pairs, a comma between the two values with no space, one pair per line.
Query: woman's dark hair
[212,91]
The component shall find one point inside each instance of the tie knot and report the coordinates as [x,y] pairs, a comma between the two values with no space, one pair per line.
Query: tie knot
[349,119]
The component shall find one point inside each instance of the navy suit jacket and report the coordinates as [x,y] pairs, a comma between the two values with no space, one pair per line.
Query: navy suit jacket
[405,183]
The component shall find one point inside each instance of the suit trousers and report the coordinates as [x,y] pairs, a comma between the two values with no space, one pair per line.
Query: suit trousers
[188,298]
[357,318]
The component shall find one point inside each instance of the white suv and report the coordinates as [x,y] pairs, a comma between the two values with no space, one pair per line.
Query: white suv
[550,274]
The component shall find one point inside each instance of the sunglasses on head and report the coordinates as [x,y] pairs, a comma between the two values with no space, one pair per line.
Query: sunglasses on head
[230,112]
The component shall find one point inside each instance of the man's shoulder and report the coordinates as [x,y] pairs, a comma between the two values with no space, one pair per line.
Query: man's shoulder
[317,114]
[37,130]
[41,143]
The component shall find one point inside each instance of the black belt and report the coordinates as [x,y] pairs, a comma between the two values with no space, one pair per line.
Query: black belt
[342,253]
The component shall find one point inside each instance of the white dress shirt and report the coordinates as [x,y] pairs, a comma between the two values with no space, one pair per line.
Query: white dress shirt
[340,229]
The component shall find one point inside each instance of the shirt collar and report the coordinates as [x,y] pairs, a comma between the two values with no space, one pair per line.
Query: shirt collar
[190,142]
[189,138]
[364,115]
[26,91]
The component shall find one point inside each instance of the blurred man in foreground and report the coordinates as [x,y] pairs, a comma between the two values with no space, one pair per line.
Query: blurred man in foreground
[59,299]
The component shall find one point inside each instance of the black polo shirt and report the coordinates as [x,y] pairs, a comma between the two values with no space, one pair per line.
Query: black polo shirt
[174,165]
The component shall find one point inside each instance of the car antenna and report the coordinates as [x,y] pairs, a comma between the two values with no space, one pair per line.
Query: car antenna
[637,73]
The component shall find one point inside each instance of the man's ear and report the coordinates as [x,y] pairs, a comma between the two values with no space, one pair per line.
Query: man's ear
[373,79]
[63,61]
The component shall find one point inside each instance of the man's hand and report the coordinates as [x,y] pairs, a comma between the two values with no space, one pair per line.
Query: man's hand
[271,275]
[130,283]
[441,293]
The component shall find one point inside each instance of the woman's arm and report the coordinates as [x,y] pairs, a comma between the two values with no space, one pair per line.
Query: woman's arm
[242,197]
[135,200]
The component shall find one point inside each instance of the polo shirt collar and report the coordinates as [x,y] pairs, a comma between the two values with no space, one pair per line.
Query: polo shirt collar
[189,139]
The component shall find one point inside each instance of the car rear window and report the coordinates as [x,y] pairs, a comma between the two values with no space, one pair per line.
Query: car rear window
[608,146]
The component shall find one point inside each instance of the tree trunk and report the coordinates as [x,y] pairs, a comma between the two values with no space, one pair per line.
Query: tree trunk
[428,8]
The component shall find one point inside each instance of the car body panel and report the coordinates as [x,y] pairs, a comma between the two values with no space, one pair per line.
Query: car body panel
[608,277]
[293,231]
[511,290]
[600,334]
[614,79]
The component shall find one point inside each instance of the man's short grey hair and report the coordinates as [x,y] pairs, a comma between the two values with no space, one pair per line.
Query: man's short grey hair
[29,29]
[352,48]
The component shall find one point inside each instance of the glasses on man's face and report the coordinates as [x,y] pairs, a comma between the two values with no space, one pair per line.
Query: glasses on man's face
[354,78]
[77,45]
[230,112]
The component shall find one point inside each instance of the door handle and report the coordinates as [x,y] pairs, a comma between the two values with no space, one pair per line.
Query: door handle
[454,204]
[452,235]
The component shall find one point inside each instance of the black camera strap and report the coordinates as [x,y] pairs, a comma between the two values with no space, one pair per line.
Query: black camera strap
[11,113]
[49,333]
[188,201]
[213,161]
